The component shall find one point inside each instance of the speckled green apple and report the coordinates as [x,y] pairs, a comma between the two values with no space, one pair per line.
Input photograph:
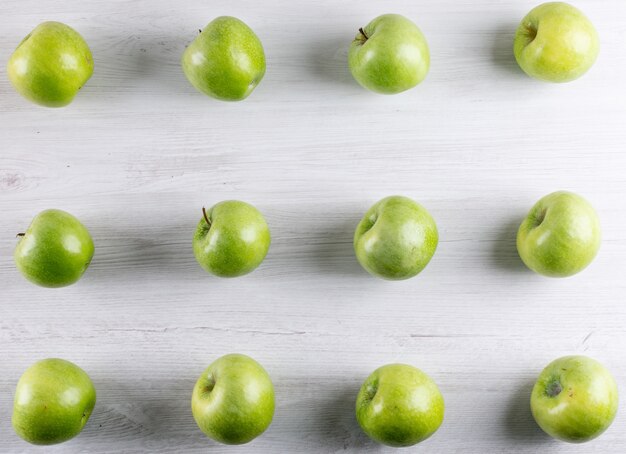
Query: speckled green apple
[51,65]
[556,42]
[55,250]
[226,60]
[389,55]
[53,401]
[233,400]
[560,236]
[396,238]
[399,405]
[231,239]
[575,399]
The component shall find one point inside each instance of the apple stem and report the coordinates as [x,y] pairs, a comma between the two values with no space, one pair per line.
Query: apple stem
[206,218]
[20,234]
[363,33]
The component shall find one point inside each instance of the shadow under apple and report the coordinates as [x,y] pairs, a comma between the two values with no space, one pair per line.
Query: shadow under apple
[333,251]
[502,54]
[520,425]
[127,64]
[153,251]
[329,423]
[504,253]
[328,60]
[155,414]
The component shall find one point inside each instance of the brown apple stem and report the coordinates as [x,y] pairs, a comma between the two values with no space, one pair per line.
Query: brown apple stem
[363,33]
[20,234]
[206,218]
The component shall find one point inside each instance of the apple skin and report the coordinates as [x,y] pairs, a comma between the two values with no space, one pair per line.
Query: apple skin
[53,401]
[556,42]
[390,55]
[233,400]
[396,238]
[226,60]
[575,399]
[55,251]
[236,241]
[560,236]
[51,64]
[399,405]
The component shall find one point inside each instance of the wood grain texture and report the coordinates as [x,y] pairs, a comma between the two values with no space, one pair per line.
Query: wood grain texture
[140,152]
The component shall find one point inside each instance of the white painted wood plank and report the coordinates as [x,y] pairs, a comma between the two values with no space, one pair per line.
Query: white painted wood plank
[139,152]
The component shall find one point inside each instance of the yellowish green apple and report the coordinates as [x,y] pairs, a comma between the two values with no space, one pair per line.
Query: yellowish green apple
[560,236]
[53,401]
[233,400]
[556,42]
[389,55]
[51,64]
[231,239]
[575,399]
[55,250]
[396,238]
[226,60]
[399,405]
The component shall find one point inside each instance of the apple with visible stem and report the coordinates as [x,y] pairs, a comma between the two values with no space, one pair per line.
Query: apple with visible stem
[50,65]
[560,236]
[55,250]
[399,405]
[232,239]
[575,399]
[53,401]
[396,238]
[389,55]
[556,42]
[226,60]
[233,400]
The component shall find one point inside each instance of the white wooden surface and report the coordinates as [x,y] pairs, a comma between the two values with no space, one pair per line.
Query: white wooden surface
[140,152]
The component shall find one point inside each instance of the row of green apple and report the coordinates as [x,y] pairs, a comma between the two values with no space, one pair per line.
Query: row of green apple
[574,399]
[395,240]
[555,42]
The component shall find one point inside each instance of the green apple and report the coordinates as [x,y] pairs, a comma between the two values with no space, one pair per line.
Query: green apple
[556,42]
[389,55]
[399,405]
[574,399]
[226,60]
[396,238]
[232,239]
[560,236]
[55,251]
[53,401]
[51,64]
[233,400]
